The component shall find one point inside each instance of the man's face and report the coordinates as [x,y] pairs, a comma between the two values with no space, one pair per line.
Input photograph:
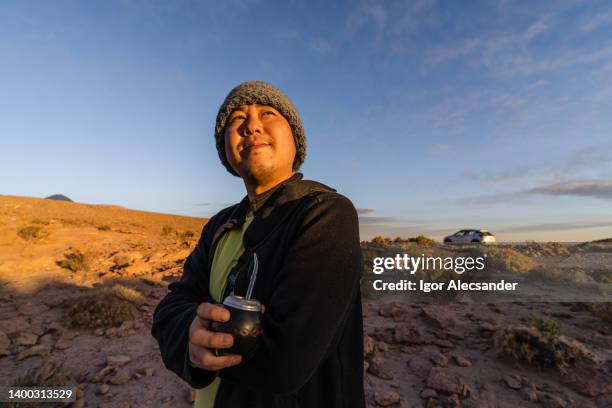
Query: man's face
[259,142]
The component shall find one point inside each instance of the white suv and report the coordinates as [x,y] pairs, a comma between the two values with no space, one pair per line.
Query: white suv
[470,235]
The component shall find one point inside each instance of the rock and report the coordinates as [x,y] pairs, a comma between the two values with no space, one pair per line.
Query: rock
[118,361]
[101,374]
[103,389]
[5,342]
[428,393]
[137,376]
[378,369]
[369,344]
[14,325]
[438,317]
[552,401]
[444,381]
[444,343]
[461,361]
[54,327]
[40,350]
[382,346]
[149,371]
[138,325]
[409,349]
[4,353]
[32,309]
[99,332]
[46,339]
[409,334]
[63,343]
[451,401]
[589,381]
[529,392]
[439,359]
[121,377]
[390,310]
[191,395]
[386,398]
[79,403]
[513,381]
[79,393]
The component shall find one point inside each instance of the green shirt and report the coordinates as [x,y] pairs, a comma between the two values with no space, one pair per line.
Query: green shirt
[228,251]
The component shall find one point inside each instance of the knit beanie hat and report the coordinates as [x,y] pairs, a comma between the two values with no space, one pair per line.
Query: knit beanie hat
[261,93]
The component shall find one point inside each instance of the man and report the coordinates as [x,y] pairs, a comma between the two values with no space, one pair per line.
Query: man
[306,238]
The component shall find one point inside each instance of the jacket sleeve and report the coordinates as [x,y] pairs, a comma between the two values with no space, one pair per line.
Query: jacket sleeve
[175,312]
[311,296]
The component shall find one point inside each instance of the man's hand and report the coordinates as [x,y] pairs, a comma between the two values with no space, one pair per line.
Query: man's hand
[202,339]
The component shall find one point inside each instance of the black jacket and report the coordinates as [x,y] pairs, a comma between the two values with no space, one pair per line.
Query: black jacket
[310,354]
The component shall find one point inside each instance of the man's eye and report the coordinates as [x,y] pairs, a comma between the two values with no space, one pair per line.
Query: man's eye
[233,119]
[268,112]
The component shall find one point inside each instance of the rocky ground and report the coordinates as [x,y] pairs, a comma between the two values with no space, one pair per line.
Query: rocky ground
[56,277]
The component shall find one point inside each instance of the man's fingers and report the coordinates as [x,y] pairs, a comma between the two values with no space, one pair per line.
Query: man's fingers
[217,363]
[210,339]
[208,311]
[263,309]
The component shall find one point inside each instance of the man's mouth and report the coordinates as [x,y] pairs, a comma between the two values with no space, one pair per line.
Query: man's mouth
[256,146]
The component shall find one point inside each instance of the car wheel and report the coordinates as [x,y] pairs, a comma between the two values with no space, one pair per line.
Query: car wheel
[447,241]
[475,240]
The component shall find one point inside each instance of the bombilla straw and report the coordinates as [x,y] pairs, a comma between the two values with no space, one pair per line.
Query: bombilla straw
[253,277]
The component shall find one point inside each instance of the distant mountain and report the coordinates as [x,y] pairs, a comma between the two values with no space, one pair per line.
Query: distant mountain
[59,197]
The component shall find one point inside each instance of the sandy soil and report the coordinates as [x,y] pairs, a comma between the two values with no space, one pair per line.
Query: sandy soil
[417,355]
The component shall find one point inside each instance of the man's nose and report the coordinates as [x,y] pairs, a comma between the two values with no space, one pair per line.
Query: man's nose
[252,125]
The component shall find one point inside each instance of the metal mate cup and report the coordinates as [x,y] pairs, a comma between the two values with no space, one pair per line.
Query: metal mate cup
[244,324]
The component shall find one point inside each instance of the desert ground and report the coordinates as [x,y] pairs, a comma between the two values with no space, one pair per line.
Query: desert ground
[79,283]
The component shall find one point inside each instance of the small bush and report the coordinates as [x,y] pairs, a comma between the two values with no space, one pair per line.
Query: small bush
[166,230]
[552,273]
[381,240]
[48,374]
[546,324]
[104,228]
[185,235]
[530,345]
[74,261]
[601,310]
[422,240]
[30,233]
[504,259]
[602,275]
[101,310]
[125,293]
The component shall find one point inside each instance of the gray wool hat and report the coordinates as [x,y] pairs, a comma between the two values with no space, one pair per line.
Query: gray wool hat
[261,93]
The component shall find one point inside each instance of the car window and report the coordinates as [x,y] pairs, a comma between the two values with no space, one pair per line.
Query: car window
[459,233]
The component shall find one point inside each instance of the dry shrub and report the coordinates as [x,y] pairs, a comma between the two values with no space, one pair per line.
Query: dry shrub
[166,230]
[546,324]
[381,240]
[504,259]
[75,261]
[104,228]
[101,310]
[602,245]
[534,347]
[423,240]
[553,273]
[125,293]
[185,235]
[48,374]
[31,232]
[603,275]
[602,310]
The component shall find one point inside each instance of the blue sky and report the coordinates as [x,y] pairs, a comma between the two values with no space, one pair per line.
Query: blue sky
[431,116]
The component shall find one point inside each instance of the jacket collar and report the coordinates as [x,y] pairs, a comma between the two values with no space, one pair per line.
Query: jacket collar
[276,206]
